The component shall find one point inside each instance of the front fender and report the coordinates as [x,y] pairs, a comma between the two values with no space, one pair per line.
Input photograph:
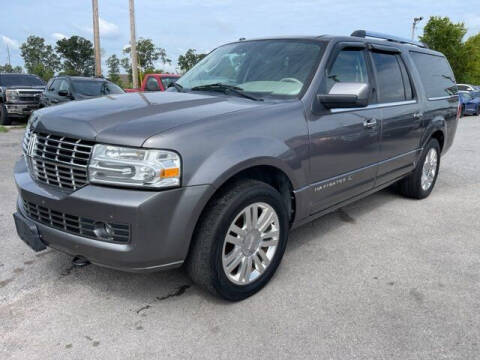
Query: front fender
[229,160]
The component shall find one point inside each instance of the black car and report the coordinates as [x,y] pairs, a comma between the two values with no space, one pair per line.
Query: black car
[61,89]
[19,96]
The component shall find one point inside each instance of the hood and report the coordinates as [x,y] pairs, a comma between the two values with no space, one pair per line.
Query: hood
[130,119]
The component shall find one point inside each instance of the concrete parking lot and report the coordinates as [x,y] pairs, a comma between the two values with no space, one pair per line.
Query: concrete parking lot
[384,278]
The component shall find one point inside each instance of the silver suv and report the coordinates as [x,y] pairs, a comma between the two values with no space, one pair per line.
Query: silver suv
[261,136]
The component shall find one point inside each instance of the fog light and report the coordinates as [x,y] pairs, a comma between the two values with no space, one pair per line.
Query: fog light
[103,230]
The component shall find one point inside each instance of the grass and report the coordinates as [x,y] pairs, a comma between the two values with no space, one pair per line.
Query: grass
[3,129]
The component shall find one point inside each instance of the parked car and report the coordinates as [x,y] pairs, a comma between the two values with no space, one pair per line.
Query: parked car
[259,137]
[156,82]
[62,89]
[467,87]
[470,104]
[19,96]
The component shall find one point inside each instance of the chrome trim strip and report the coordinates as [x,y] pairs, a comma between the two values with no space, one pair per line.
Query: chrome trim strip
[357,170]
[375,106]
[442,97]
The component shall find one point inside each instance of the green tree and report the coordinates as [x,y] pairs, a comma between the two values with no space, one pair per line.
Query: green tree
[147,54]
[189,59]
[472,73]
[7,68]
[113,64]
[39,58]
[77,55]
[442,35]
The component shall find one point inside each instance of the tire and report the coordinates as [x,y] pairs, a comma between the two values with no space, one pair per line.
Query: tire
[412,186]
[207,261]
[4,120]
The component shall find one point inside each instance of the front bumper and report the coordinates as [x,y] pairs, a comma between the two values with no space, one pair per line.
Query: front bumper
[21,109]
[161,223]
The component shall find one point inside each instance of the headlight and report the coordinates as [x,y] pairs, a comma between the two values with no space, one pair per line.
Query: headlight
[11,95]
[134,167]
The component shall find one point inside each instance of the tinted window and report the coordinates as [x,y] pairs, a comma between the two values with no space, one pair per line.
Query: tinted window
[168,80]
[54,85]
[152,84]
[63,85]
[88,88]
[462,87]
[349,66]
[389,78]
[22,80]
[436,74]
[111,88]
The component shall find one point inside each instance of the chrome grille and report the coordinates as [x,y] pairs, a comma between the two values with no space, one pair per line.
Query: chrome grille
[74,224]
[57,160]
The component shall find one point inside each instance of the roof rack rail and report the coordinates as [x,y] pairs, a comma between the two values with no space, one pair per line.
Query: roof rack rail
[371,34]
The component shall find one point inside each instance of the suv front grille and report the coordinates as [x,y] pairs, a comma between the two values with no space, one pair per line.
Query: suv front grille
[57,160]
[74,224]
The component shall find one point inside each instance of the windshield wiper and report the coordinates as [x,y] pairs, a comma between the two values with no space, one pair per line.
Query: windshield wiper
[176,86]
[225,89]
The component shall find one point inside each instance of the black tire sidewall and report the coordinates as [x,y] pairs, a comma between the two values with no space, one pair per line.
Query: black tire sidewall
[221,283]
[433,143]
[4,120]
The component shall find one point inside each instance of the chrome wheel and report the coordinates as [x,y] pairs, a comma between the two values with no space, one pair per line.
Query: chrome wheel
[250,244]
[429,169]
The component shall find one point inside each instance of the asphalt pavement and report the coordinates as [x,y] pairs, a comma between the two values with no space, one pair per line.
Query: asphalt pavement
[383,278]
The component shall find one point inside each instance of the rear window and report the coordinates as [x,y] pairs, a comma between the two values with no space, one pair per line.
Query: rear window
[436,75]
[20,80]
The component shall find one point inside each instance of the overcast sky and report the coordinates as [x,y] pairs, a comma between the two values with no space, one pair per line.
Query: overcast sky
[178,25]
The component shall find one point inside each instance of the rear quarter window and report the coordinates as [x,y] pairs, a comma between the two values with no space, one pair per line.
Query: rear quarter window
[436,75]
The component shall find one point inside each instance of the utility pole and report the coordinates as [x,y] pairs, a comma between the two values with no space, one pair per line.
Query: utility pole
[8,54]
[96,40]
[133,46]
[414,25]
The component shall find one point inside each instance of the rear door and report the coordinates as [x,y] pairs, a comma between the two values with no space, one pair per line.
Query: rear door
[402,118]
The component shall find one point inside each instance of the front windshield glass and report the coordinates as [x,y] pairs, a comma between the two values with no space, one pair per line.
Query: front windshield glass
[20,80]
[266,68]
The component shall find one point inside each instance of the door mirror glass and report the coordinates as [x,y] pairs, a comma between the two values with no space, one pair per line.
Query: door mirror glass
[346,95]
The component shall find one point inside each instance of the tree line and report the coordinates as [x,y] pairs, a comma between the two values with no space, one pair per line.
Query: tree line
[75,56]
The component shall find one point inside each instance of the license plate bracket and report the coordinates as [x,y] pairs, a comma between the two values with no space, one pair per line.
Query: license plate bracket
[28,232]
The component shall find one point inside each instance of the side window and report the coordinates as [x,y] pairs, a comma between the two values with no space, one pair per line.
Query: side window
[349,66]
[63,85]
[462,88]
[407,82]
[54,85]
[152,84]
[389,78]
[436,75]
[168,80]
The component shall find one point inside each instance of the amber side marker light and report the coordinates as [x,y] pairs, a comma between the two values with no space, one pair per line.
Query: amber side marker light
[170,173]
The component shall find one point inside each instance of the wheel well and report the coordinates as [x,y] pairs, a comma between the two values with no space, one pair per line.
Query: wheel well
[440,138]
[272,176]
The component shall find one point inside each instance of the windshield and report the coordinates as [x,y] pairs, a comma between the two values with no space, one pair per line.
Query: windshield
[95,88]
[20,80]
[267,68]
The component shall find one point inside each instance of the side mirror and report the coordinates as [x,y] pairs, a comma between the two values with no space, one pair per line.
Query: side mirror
[63,93]
[346,95]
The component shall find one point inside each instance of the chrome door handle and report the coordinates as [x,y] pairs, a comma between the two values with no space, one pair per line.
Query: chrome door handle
[369,123]
[418,115]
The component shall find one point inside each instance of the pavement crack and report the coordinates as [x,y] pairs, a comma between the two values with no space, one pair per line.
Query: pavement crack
[143,308]
[180,291]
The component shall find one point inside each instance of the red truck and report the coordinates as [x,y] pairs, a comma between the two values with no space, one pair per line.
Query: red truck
[155,82]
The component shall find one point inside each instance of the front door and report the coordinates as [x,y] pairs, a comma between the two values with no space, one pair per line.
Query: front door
[344,143]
